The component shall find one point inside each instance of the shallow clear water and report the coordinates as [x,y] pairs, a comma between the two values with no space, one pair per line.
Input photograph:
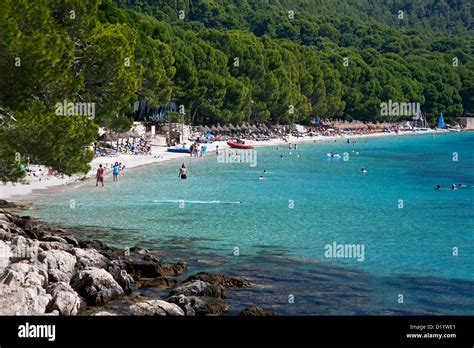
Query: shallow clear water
[306,201]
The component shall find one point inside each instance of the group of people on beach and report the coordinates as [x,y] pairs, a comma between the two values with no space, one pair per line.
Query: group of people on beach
[197,150]
[117,168]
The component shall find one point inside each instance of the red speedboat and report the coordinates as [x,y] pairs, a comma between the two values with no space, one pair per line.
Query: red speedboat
[235,145]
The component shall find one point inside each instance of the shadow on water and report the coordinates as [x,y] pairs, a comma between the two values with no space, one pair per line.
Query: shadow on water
[296,286]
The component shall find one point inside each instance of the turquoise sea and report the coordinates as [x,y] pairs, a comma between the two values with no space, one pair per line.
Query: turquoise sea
[417,242]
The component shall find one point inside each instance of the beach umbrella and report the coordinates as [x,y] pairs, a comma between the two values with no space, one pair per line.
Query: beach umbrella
[134,134]
[237,128]
[108,137]
[231,127]
[371,126]
[243,126]
[201,129]
[207,129]
[213,128]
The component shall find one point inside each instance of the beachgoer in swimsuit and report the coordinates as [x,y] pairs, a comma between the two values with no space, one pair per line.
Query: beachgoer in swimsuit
[100,176]
[116,171]
[182,171]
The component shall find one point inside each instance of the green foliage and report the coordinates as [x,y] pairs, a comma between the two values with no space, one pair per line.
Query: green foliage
[299,61]
[58,51]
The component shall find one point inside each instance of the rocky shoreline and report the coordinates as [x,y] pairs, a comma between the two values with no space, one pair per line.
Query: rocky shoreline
[48,271]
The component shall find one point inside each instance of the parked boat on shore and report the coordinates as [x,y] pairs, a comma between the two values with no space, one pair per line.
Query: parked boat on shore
[236,145]
[178,149]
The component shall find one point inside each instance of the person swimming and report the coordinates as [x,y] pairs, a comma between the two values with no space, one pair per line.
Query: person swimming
[363,170]
[461,185]
[183,171]
[438,187]
[260,177]
[453,187]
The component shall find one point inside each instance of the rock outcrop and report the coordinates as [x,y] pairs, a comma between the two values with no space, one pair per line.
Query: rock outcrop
[220,279]
[96,286]
[48,271]
[156,307]
[255,311]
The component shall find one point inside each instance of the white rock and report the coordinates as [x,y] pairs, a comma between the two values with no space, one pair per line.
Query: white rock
[156,307]
[65,300]
[61,265]
[89,258]
[96,285]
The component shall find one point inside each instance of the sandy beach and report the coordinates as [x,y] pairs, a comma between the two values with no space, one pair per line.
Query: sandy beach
[159,154]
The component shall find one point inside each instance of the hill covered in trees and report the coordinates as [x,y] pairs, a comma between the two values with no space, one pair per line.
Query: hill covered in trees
[324,57]
[281,61]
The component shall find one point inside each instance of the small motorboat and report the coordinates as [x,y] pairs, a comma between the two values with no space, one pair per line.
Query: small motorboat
[235,145]
[178,149]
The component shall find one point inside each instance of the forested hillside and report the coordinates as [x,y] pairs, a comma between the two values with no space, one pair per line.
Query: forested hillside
[422,54]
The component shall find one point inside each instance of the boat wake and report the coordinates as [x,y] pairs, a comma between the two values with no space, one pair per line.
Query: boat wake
[192,202]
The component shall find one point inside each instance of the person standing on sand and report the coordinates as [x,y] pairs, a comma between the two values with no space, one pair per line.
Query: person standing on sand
[182,171]
[116,171]
[100,176]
